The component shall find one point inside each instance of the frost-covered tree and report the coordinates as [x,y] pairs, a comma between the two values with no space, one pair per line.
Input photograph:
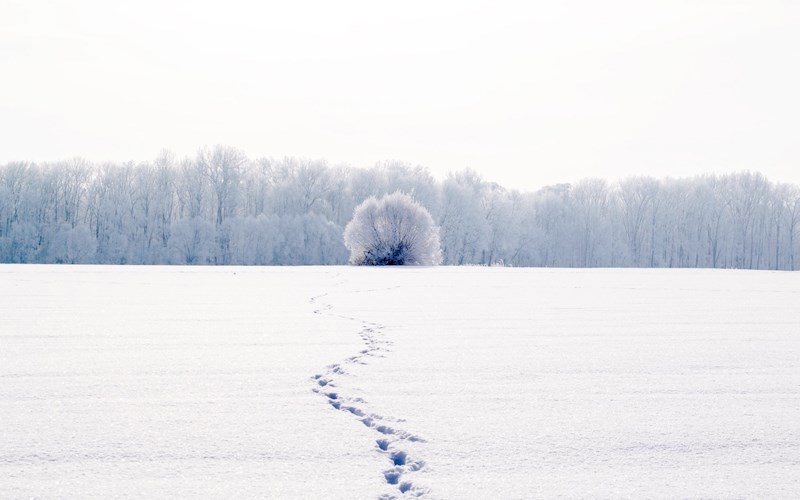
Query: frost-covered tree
[393,230]
[221,208]
[221,168]
[464,227]
[192,241]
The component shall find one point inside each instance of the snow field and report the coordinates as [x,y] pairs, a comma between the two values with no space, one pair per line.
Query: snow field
[171,382]
[589,383]
[338,382]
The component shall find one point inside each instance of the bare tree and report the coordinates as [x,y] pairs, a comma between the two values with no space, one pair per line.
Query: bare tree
[222,168]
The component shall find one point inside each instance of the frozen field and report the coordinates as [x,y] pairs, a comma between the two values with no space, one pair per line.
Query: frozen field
[450,383]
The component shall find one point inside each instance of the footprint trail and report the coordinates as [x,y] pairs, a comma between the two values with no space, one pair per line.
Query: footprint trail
[391,441]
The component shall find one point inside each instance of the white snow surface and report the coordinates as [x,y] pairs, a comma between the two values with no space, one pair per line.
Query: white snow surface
[220,382]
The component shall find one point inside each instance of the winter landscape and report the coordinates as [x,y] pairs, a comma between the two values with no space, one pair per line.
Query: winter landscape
[368,250]
[364,382]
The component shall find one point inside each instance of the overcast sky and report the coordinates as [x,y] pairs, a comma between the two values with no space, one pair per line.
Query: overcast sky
[528,94]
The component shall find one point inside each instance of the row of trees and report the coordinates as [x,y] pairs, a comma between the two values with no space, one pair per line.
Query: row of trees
[222,208]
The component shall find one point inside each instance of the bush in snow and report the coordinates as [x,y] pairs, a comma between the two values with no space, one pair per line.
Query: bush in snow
[392,231]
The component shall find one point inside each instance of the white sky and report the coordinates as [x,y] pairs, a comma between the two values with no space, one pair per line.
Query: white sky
[527,93]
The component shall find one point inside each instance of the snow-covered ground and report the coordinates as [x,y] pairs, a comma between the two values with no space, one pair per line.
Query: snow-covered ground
[338,382]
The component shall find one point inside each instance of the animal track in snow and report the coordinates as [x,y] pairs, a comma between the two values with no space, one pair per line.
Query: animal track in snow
[399,458]
[392,439]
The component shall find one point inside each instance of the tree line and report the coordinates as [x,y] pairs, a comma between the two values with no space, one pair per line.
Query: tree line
[221,207]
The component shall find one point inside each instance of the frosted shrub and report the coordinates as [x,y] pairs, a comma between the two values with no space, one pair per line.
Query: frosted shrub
[392,231]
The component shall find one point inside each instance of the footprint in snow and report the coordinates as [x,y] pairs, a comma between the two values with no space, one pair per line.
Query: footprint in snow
[374,347]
